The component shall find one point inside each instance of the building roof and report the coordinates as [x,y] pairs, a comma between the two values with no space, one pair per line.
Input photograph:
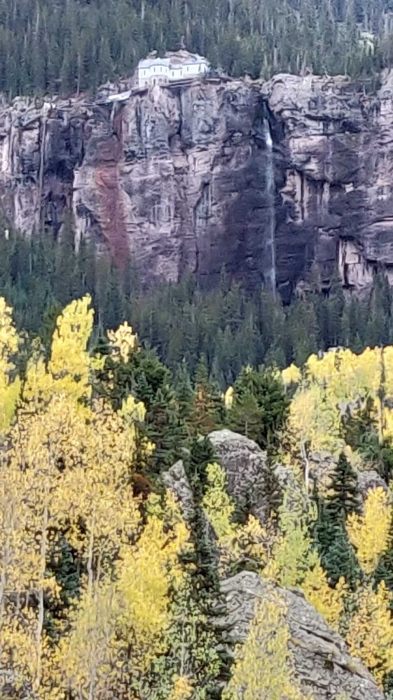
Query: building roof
[147,62]
[173,59]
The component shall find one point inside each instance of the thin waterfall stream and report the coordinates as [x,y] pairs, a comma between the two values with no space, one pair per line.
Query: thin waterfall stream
[271,227]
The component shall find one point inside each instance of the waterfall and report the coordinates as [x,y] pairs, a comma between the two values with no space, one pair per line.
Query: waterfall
[271,226]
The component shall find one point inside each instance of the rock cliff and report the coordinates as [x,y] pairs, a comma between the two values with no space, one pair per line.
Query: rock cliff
[321,659]
[262,178]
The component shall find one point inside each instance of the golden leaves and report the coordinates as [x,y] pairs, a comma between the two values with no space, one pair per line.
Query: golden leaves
[263,666]
[328,601]
[369,532]
[123,342]
[370,633]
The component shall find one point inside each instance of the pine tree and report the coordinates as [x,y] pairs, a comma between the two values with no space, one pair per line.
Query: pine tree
[260,405]
[344,498]
[184,392]
[337,555]
[165,429]
[207,413]
[384,568]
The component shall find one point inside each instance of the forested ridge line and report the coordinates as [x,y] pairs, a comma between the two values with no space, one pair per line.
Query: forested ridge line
[47,46]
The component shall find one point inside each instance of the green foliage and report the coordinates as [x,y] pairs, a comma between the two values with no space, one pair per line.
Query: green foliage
[343,498]
[336,553]
[260,406]
[191,650]
[384,569]
[215,333]
[204,579]
[79,44]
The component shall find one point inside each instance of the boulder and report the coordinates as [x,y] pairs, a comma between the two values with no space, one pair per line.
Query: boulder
[176,479]
[321,657]
[368,480]
[245,465]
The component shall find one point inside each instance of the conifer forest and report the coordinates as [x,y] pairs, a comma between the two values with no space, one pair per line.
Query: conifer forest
[47,46]
[196,478]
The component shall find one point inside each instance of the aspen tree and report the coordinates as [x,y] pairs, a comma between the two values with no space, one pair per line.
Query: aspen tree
[263,666]
[369,533]
[240,545]
[370,633]
[9,384]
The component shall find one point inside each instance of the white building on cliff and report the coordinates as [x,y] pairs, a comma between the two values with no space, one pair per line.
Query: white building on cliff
[175,66]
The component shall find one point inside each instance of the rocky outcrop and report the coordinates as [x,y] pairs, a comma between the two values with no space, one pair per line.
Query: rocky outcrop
[176,479]
[322,662]
[322,465]
[369,480]
[262,178]
[251,482]
[321,658]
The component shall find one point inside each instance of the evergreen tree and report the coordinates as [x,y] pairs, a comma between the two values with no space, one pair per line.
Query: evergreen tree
[260,406]
[207,412]
[384,569]
[165,429]
[336,553]
[343,498]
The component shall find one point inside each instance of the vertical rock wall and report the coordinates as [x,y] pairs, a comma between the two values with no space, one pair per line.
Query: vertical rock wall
[262,178]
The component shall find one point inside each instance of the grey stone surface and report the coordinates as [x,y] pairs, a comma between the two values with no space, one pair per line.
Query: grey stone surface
[176,479]
[321,657]
[245,465]
[368,480]
[181,178]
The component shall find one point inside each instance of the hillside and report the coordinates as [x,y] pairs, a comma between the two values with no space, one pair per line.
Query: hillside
[51,46]
[147,551]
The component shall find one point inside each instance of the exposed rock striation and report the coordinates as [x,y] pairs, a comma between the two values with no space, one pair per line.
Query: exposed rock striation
[262,178]
[322,662]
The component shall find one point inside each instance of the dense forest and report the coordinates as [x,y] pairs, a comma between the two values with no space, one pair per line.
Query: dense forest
[108,590]
[226,328]
[47,46]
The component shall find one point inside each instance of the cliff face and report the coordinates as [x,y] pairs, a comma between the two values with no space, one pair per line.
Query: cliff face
[262,178]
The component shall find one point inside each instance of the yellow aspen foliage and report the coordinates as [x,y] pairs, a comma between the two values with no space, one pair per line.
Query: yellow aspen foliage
[217,504]
[87,653]
[334,382]
[123,342]
[263,666]
[370,632]
[228,397]
[67,469]
[293,554]
[182,688]
[69,363]
[328,601]
[119,624]
[314,420]
[291,375]
[250,543]
[9,385]
[146,573]
[68,370]
[369,533]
